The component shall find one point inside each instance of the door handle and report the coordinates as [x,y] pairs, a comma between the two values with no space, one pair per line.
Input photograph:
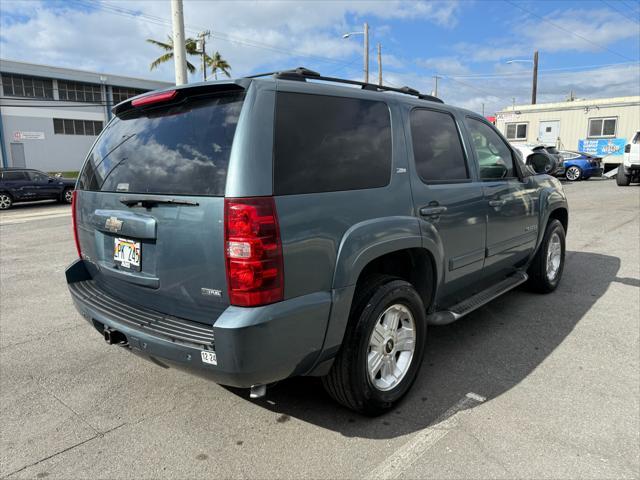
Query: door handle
[432,211]
[497,203]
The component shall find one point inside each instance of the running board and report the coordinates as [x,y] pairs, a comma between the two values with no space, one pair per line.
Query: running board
[458,311]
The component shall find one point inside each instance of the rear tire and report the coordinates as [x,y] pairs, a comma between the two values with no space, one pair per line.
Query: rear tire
[5,201]
[380,354]
[67,195]
[573,173]
[546,269]
[621,179]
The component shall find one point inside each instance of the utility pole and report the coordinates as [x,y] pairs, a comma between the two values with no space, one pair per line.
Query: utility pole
[201,46]
[435,92]
[534,89]
[366,53]
[483,109]
[379,64]
[179,51]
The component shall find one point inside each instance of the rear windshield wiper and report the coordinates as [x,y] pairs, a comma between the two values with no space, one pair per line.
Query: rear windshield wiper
[148,202]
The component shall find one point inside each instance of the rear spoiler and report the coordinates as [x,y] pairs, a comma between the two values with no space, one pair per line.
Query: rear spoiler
[174,95]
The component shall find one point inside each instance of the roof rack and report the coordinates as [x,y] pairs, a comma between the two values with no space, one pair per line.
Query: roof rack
[302,74]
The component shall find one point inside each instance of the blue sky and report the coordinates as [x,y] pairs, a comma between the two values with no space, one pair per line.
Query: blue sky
[590,47]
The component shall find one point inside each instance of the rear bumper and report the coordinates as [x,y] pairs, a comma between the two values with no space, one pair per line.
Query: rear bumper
[252,345]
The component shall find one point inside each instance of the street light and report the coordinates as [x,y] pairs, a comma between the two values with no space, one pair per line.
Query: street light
[365,33]
[534,87]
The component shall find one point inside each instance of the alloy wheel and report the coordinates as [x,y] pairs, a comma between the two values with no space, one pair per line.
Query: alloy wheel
[68,195]
[391,347]
[5,201]
[554,256]
[573,173]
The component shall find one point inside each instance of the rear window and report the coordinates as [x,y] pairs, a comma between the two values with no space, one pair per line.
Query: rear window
[326,144]
[180,150]
[14,176]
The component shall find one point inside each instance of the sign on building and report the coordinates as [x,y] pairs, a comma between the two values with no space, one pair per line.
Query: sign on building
[19,136]
[602,147]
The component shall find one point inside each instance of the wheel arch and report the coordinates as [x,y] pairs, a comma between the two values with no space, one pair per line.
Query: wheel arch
[392,246]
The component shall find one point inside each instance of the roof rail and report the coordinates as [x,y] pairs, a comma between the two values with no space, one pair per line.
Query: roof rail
[302,74]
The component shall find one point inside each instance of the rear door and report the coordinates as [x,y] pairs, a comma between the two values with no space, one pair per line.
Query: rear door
[448,198]
[18,184]
[151,203]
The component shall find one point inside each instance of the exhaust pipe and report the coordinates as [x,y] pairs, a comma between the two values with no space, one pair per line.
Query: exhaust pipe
[114,337]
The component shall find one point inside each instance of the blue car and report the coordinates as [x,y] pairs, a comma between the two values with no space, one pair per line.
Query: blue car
[580,166]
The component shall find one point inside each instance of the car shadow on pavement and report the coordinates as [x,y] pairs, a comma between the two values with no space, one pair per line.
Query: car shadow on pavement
[486,353]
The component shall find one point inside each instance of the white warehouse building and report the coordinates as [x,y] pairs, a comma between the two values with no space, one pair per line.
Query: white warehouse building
[600,126]
[50,116]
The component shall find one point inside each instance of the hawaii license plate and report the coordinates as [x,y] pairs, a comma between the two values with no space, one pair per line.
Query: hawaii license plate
[127,253]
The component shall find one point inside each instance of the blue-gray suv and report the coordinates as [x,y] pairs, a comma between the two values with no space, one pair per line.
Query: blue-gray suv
[292,224]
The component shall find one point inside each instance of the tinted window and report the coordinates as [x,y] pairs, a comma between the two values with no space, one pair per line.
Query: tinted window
[183,149]
[14,176]
[325,144]
[492,152]
[38,177]
[437,150]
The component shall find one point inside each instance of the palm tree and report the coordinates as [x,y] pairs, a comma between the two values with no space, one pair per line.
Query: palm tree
[218,63]
[190,47]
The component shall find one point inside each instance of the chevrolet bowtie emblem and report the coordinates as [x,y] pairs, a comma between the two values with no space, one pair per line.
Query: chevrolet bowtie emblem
[113,224]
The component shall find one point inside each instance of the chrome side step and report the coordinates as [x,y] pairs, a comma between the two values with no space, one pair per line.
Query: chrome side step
[458,311]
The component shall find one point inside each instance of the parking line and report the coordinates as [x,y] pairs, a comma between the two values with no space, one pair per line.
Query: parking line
[405,456]
[14,220]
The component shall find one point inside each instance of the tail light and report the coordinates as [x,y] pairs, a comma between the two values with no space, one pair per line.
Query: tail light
[154,98]
[253,251]
[74,221]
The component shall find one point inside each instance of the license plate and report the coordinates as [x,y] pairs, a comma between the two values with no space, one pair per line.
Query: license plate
[127,253]
[209,357]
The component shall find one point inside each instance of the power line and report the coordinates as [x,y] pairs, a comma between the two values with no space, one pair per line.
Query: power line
[560,70]
[621,12]
[565,30]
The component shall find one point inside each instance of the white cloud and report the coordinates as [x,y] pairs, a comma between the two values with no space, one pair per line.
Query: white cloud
[250,35]
[445,65]
[594,30]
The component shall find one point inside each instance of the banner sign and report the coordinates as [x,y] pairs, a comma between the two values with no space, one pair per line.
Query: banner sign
[603,146]
[18,136]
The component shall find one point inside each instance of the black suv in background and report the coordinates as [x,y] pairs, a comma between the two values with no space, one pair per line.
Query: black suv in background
[27,185]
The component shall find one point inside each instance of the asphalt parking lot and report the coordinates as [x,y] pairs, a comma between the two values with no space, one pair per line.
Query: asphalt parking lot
[529,386]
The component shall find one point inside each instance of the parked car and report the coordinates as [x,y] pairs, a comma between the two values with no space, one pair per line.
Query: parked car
[27,185]
[629,170]
[580,165]
[256,229]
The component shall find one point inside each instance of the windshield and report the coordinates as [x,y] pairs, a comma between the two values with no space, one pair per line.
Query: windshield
[180,150]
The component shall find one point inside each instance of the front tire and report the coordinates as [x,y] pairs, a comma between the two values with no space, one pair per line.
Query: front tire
[5,201]
[621,179]
[573,173]
[382,348]
[546,269]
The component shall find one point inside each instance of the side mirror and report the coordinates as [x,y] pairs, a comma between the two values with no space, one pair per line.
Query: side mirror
[50,180]
[542,163]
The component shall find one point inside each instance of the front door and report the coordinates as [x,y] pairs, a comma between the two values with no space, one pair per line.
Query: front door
[17,155]
[447,199]
[43,185]
[512,212]
[549,132]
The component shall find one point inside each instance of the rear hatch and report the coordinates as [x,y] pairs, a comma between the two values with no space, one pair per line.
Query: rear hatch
[150,202]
